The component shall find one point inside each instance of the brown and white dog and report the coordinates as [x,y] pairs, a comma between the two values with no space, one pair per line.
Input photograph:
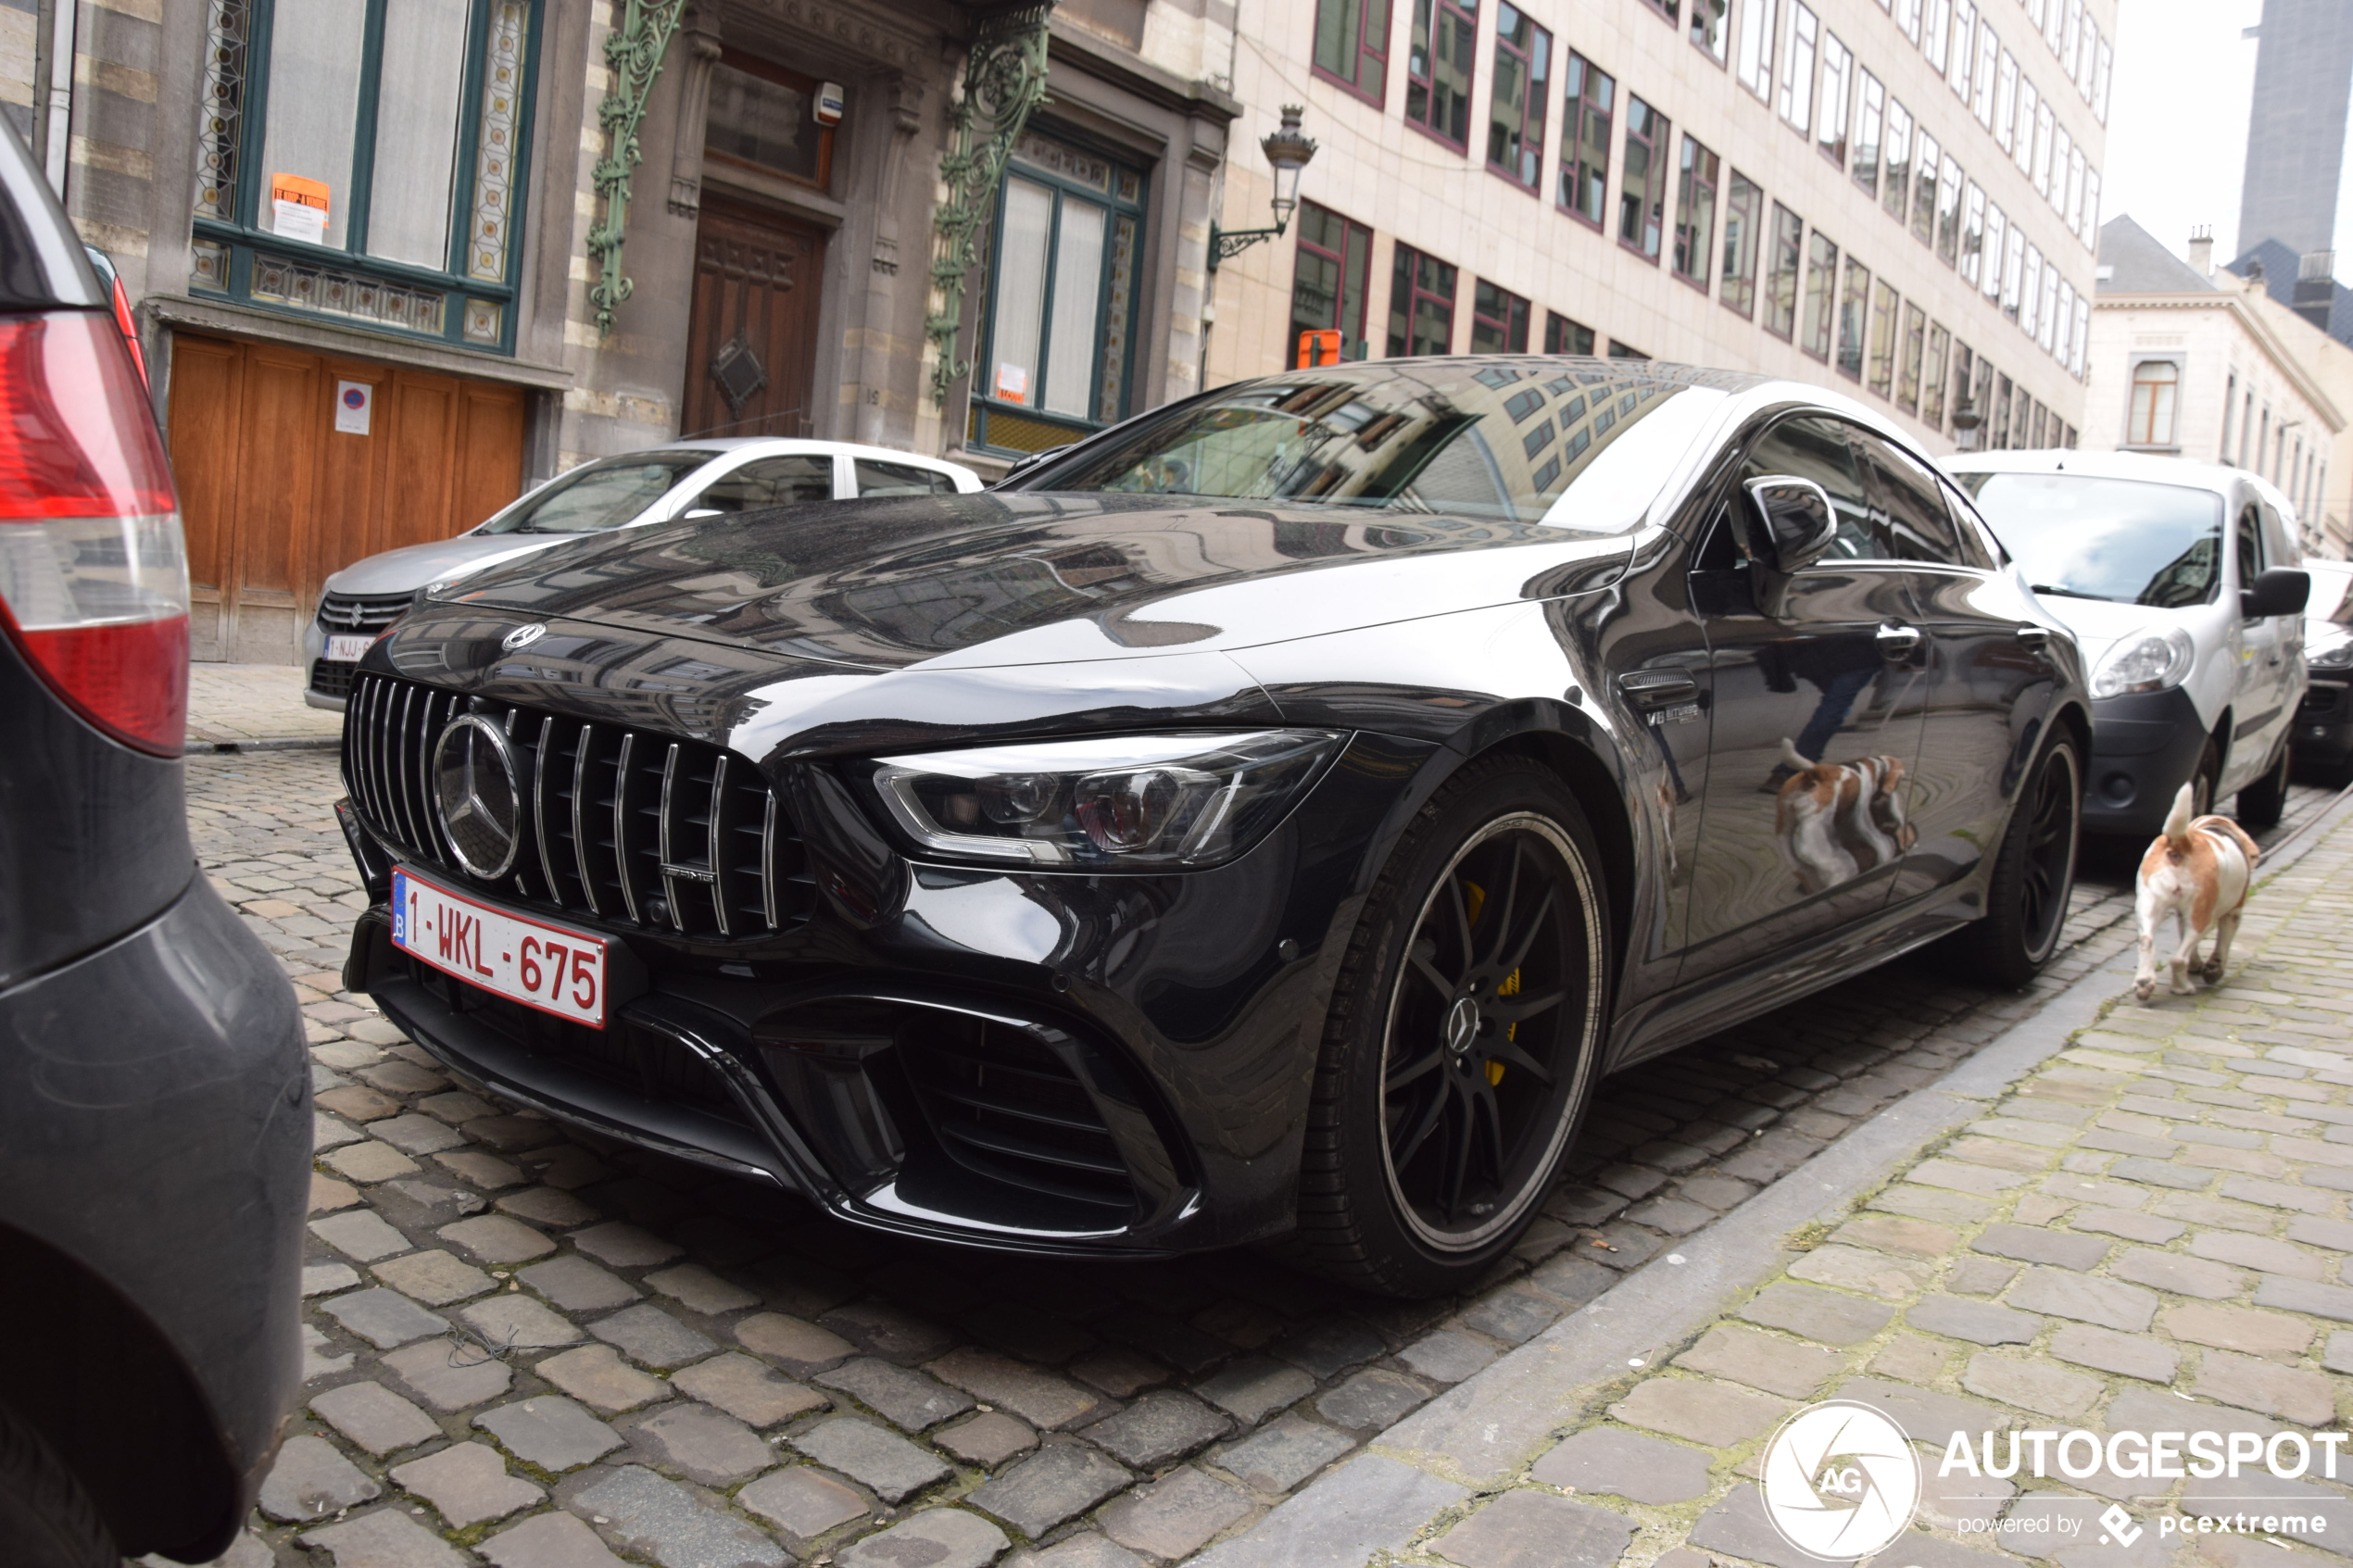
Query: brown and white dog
[1840,819]
[2199,873]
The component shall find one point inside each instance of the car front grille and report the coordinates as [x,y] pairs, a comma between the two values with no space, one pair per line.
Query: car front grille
[633,828]
[331,677]
[342,613]
[1003,1105]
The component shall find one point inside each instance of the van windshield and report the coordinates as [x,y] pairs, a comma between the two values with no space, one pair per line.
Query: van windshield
[2122,540]
[598,496]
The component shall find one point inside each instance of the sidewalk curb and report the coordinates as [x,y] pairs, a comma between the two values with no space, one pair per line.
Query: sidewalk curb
[284,743]
[1483,1430]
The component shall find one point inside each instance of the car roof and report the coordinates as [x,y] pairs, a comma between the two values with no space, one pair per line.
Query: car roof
[716,445]
[2153,467]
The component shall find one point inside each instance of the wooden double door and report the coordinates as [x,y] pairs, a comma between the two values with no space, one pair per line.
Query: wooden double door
[275,496]
[751,342]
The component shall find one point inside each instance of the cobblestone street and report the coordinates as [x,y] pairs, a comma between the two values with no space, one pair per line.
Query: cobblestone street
[532,1351]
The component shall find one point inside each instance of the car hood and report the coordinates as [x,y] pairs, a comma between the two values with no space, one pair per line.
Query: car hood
[987,580]
[2097,623]
[406,570]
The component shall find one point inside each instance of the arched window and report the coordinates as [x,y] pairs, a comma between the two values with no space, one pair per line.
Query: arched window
[2154,384]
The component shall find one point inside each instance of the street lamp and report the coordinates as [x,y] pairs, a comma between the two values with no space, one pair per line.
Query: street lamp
[1965,423]
[1289,149]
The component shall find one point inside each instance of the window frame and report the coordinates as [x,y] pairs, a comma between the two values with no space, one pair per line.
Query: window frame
[1796,107]
[1365,49]
[1895,161]
[984,405]
[1430,14]
[782,76]
[1350,231]
[1960,60]
[1534,62]
[1818,328]
[1882,345]
[1760,36]
[1926,152]
[1554,324]
[1689,175]
[1651,244]
[1870,108]
[1743,204]
[227,249]
[2006,79]
[1911,357]
[1785,261]
[1972,246]
[1989,281]
[1854,321]
[1950,180]
[1983,90]
[1512,324]
[1719,11]
[1575,113]
[1833,103]
[1404,259]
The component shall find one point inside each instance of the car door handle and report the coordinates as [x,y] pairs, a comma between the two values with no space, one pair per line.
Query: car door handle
[2034,639]
[1897,642]
[1653,689]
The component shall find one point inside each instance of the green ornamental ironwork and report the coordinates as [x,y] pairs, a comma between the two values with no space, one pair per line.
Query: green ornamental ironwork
[1004,80]
[633,52]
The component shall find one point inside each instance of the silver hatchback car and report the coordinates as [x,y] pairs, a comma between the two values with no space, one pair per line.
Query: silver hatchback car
[681,479]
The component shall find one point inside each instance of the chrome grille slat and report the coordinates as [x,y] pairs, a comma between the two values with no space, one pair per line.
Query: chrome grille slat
[690,815]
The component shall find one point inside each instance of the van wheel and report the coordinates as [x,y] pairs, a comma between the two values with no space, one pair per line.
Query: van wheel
[2026,899]
[1463,1034]
[2262,803]
[2203,779]
[46,1520]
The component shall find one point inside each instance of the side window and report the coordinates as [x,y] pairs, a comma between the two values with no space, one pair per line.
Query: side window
[1918,526]
[1812,447]
[2248,542]
[772,482]
[901,479]
[2279,547]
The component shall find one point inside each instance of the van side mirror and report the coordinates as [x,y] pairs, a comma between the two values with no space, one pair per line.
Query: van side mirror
[2281,591]
[1791,522]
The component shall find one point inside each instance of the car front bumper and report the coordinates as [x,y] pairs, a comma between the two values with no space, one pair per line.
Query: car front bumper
[1052,1064]
[2145,748]
[2325,722]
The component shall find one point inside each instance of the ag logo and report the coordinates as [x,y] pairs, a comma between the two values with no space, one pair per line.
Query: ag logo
[1840,1480]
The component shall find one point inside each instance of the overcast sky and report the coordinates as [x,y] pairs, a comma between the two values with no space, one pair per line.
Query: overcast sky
[2177,120]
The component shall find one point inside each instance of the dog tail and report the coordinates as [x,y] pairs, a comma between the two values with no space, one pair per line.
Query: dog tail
[1793,759]
[2177,823]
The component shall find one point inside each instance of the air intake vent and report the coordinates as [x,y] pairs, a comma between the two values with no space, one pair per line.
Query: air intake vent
[631,827]
[1004,1105]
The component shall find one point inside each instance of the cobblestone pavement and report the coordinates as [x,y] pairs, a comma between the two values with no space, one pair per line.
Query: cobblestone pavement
[2147,1235]
[237,703]
[532,1350]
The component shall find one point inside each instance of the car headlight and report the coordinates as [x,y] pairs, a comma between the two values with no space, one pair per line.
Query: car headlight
[1117,803]
[2144,661]
[2336,654]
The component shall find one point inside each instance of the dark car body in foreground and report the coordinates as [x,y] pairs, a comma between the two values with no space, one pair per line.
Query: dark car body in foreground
[1267,817]
[2324,719]
[154,1124]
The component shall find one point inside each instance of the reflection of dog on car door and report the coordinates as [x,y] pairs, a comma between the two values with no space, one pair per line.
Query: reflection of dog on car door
[2198,873]
[1839,819]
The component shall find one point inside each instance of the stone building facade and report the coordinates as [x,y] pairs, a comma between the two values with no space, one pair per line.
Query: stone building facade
[1900,198]
[365,240]
[2207,366]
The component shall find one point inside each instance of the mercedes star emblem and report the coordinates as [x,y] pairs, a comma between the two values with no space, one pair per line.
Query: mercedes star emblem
[523,636]
[478,791]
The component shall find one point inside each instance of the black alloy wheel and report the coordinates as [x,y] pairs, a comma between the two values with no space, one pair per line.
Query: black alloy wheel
[1465,1029]
[2033,877]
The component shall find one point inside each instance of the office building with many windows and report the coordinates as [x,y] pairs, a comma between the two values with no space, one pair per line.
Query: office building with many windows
[1899,197]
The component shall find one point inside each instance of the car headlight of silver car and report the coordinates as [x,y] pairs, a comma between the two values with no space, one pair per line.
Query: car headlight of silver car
[2146,660]
[2335,653]
[1156,802]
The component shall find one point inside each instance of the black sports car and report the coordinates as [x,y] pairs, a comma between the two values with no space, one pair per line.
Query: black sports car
[1266,818]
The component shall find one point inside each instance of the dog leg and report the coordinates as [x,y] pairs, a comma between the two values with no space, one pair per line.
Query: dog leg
[2224,929]
[2185,958]
[2145,975]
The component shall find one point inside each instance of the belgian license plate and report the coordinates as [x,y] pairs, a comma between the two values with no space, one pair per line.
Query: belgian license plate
[345,649]
[526,960]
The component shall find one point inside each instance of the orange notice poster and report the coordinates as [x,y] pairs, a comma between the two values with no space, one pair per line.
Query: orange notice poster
[299,208]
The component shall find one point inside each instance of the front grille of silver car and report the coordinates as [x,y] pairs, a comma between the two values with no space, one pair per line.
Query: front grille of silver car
[341,613]
[631,828]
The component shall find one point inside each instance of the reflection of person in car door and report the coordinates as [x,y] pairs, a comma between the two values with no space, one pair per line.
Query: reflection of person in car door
[1839,668]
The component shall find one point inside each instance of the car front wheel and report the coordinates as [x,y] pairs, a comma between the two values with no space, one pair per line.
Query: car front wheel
[1463,1038]
[2262,803]
[2033,876]
[46,1520]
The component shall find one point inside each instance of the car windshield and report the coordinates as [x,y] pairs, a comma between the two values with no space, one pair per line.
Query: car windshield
[1576,444]
[598,496]
[2120,539]
[2332,600]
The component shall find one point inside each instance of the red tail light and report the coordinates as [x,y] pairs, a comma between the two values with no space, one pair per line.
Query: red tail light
[130,331]
[93,575]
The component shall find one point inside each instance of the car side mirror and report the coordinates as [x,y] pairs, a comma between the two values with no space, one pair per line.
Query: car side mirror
[2281,591]
[1791,522]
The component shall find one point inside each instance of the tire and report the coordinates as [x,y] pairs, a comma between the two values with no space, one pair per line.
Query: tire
[2264,802]
[46,1520]
[2203,778]
[1442,1107]
[2034,874]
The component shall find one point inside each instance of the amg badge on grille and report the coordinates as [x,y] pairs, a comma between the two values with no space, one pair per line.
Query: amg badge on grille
[478,789]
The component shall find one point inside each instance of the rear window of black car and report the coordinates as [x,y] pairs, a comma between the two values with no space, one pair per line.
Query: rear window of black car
[1576,444]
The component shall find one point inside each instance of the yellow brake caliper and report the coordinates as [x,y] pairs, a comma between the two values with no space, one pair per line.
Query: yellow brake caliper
[1474,900]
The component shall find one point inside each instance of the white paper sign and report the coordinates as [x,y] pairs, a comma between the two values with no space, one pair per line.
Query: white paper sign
[354,401]
[1012,382]
[296,221]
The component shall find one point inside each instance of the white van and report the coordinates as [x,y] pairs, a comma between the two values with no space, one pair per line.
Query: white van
[2184,585]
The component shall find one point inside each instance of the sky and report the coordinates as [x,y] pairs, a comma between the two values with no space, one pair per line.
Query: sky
[2177,122]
